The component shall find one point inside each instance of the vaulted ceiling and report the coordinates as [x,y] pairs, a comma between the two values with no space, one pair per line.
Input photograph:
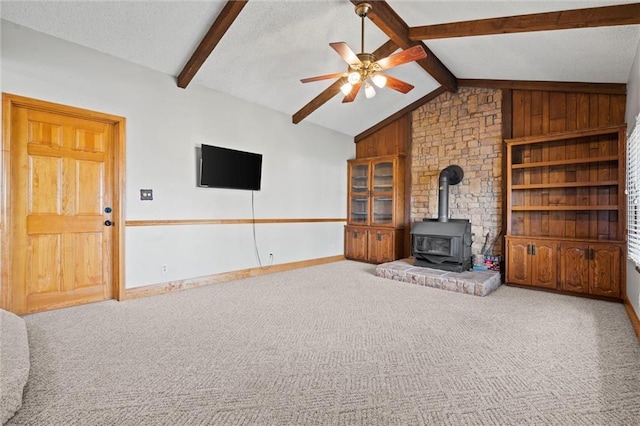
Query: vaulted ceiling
[259,50]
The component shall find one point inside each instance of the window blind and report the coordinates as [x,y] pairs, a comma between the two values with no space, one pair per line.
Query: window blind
[633,193]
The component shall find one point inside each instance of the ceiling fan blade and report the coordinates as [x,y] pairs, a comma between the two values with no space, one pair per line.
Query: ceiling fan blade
[414,53]
[345,51]
[352,94]
[322,77]
[399,85]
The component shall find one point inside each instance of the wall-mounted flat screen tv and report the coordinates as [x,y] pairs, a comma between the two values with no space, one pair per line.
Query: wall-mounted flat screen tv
[228,168]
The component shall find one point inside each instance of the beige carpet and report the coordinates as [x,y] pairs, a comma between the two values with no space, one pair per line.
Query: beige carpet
[334,344]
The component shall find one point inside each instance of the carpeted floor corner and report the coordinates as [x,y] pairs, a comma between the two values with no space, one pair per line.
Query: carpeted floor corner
[333,344]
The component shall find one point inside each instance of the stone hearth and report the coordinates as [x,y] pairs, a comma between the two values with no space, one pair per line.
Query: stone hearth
[478,283]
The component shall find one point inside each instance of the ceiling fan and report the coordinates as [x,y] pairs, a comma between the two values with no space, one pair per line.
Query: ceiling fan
[363,68]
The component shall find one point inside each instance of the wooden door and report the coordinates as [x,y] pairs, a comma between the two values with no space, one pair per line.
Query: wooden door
[63,189]
[544,264]
[574,267]
[355,243]
[604,271]
[381,246]
[518,262]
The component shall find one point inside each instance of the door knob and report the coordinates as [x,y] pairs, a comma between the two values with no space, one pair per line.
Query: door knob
[108,223]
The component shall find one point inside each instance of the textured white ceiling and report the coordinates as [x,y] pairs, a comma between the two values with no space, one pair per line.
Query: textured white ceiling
[273,44]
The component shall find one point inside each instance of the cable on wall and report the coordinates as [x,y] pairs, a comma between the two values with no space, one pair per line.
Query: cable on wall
[255,240]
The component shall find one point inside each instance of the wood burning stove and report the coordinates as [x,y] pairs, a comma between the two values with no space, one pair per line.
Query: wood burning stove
[443,243]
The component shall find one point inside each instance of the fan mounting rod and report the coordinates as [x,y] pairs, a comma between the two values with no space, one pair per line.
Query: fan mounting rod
[362,9]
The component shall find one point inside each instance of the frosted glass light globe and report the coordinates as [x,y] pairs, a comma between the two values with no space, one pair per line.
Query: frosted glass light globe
[369,91]
[346,88]
[354,77]
[379,80]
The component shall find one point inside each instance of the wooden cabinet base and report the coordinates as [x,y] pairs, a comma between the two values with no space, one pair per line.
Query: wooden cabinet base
[577,267]
[374,245]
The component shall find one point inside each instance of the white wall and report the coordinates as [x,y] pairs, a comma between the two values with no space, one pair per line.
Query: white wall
[632,110]
[304,165]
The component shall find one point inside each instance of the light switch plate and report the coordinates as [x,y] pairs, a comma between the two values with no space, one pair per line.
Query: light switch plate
[146,194]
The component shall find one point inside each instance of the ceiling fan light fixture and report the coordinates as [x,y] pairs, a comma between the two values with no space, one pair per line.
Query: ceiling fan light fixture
[379,80]
[369,91]
[364,69]
[354,77]
[346,88]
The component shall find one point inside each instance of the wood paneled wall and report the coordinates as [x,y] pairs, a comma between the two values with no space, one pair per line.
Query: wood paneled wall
[540,112]
[391,139]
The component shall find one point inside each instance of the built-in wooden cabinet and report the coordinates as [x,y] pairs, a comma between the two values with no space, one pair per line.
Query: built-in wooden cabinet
[375,245]
[590,268]
[533,262]
[566,211]
[375,209]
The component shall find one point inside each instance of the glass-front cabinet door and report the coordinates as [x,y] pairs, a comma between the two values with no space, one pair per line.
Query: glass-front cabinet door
[359,193]
[359,178]
[359,209]
[371,192]
[383,177]
[382,193]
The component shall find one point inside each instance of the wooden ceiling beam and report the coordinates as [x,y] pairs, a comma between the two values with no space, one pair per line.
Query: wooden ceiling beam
[550,86]
[317,102]
[625,14]
[385,50]
[393,26]
[222,23]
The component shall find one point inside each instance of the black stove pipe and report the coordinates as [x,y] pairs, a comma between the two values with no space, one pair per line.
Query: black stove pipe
[451,175]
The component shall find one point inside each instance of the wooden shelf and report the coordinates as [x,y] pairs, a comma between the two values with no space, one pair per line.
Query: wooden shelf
[566,162]
[586,171]
[565,185]
[598,131]
[562,208]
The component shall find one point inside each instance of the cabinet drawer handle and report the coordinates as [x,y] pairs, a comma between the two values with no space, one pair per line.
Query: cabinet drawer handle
[533,249]
[528,248]
[379,237]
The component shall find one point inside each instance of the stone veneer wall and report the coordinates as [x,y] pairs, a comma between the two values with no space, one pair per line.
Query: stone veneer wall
[463,128]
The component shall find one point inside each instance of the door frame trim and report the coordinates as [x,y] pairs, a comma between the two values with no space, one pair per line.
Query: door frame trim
[10,101]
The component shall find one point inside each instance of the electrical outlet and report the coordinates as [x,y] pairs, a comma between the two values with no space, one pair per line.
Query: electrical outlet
[164,269]
[146,194]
